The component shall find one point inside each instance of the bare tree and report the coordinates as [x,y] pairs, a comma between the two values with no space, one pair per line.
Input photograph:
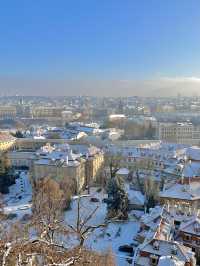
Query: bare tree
[39,254]
[18,245]
[48,205]
[82,227]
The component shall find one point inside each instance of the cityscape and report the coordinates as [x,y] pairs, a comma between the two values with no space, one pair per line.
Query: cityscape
[100,133]
[130,164]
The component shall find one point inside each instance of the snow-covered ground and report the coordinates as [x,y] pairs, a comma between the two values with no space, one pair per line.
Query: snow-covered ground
[18,200]
[110,237]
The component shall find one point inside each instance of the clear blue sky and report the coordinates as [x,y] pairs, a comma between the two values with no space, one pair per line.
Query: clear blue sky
[112,39]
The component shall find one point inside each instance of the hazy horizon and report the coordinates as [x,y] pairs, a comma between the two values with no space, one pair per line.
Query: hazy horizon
[102,48]
[163,86]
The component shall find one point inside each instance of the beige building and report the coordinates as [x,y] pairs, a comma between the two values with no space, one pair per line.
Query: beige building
[47,112]
[73,171]
[184,133]
[30,144]
[93,166]
[80,164]
[8,112]
[19,159]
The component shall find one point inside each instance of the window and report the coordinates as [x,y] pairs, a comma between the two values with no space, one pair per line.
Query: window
[187,237]
[193,249]
[153,260]
[177,223]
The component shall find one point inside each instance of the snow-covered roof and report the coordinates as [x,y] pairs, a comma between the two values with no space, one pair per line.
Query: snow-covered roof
[170,261]
[191,227]
[39,137]
[183,191]
[152,215]
[191,169]
[193,153]
[63,155]
[165,249]
[123,171]
[61,162]
[136,197]
[86,150]
[114,116]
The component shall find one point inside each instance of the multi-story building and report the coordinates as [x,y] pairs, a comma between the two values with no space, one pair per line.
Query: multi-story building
[8,112]
[94,159]
[182,199]
[70,169]
[186,133]
[47,112]
[77,164]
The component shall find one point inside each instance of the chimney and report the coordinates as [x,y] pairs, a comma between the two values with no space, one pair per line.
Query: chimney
[182,179]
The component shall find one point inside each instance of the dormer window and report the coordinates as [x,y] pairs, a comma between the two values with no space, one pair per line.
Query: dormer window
[153,260]
[156,245]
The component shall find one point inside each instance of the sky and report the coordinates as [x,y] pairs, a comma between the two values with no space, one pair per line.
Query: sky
[97,47]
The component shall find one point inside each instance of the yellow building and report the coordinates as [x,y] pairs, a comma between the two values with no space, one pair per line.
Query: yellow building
[93,166]
[8,112]
[6,141]
[73,172]
[78,164]
[47,112]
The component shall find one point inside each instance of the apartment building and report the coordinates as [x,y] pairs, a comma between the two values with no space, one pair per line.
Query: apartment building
[8,112]
[185,133]
[77,164]
[47,112]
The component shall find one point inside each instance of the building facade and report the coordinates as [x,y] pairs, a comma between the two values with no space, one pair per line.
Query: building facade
[185,133]
[189,235]
[8,112]
[77,164]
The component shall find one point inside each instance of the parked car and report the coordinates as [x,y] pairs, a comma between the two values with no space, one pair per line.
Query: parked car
[93,199]
[126,248]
